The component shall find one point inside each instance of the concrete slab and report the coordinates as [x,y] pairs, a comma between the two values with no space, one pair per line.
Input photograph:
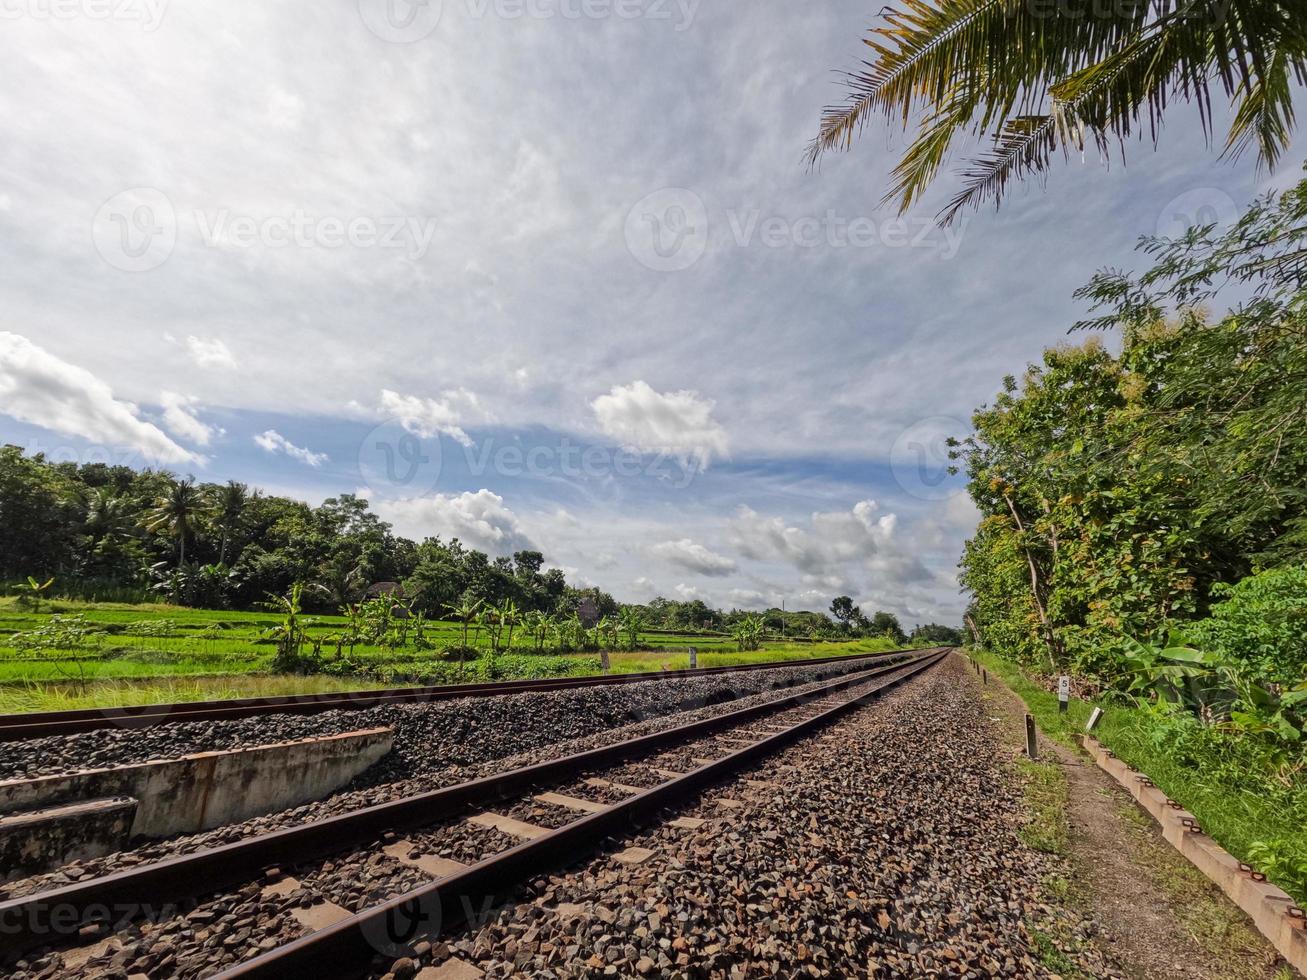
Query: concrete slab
[211,789]
[687,823]
[598,783]
[432,864]
[729,804]
[667,773]
[572,802]
[50,836]
[75,959]
[517,828]
[319,916]
[633,855]
[280,888]
[453,969]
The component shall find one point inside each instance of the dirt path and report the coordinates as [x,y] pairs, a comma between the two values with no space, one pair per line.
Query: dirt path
[1160,918]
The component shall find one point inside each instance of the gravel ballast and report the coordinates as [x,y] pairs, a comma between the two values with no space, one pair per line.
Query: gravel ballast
[886,848]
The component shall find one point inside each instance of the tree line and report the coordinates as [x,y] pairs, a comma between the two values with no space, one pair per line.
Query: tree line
[115,533]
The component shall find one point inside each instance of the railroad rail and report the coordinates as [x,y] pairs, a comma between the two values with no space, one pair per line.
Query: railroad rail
[15,727]
[57,916]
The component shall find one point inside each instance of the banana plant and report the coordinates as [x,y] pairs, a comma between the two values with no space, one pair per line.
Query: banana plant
[632,622]
[31,591]
[509,616]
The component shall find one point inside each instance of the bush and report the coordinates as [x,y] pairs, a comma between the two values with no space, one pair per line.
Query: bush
[1261,625]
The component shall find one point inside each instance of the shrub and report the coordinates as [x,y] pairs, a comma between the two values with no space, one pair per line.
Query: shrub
[1261,625]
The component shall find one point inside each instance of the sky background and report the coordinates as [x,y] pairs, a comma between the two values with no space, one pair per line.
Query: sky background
[546,274]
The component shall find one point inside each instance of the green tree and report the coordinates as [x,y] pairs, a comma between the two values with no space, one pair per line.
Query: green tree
[179,513]
[1034,77]
[228,506]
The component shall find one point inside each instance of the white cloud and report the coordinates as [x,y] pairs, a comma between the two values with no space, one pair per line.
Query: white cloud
[429,417]
[694,557]
[679,423]
[480,520]
[40,388]
[179,418]
[285,109]
[274,442]
[210,352]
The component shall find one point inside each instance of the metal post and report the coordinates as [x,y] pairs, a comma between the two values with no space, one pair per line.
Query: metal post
[1032,747]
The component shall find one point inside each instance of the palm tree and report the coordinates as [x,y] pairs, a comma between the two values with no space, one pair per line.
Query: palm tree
[1034,77]
[109,520]
[228,503]
[179,513]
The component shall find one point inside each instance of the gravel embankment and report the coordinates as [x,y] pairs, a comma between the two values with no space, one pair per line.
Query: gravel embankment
[376,791]
[887,850]
[428,737]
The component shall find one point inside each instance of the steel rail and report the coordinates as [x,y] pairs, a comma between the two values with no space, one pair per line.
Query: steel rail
[14,727]
[55,915]
[388,929]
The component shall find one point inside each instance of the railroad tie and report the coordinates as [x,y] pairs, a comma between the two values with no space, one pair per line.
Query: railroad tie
[508,825]
[598,783]
[571,802]
[432,864]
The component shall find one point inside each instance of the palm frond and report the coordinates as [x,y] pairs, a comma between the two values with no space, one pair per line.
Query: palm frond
[1265,114]
[1025,144]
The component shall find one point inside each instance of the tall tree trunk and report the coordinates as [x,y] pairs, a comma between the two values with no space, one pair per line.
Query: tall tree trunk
[1054,647]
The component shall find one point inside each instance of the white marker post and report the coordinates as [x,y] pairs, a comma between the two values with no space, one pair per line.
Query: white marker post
[694,658]
[1063,693]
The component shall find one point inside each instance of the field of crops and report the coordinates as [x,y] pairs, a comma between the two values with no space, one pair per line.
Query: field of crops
[83,654]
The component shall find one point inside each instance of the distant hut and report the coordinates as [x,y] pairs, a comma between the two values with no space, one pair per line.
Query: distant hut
[587,612]
[391,590]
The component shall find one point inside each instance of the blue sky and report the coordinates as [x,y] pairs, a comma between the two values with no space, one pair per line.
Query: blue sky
[534,273]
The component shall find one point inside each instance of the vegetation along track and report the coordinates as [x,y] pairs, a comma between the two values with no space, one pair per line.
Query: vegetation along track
[252,919]
[48,723]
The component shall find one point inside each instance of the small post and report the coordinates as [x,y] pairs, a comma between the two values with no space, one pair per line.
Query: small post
[1094,717]
[603,660]
[1063,693]
[1032,747]
[985,674]
[694,658]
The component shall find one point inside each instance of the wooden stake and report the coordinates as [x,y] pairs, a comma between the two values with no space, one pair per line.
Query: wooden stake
[1032,747]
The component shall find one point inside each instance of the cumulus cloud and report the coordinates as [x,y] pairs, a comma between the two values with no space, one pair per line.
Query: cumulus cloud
[825,549]
[679,423]
[274,442]
[39,388]
[429,417]
[179,419]
[480,520]
[747,598]
[694,557]
[210,352]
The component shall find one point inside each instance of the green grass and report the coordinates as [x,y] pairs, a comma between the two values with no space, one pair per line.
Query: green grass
[1238,814]
[209,654]
[1045,791]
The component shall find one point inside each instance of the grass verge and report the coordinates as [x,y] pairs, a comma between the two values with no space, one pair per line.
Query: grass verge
[1249,815]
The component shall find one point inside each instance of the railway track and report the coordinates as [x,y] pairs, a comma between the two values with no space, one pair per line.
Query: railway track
[577,802]
[48,723]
